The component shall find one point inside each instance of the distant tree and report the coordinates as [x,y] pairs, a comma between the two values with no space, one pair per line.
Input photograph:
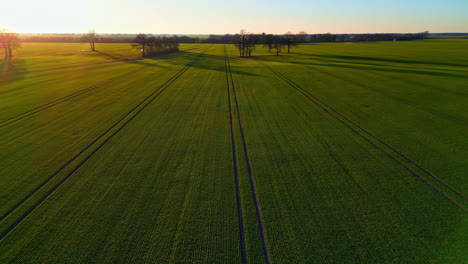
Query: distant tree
[290,41]
[9,41]
[245,43]
[268,42]
[278,44]
[141,42]
[302,37]
[91,37]
[424,35]
[240,42]
[151,46]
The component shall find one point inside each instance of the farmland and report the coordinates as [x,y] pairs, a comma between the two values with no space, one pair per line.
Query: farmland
[334,153]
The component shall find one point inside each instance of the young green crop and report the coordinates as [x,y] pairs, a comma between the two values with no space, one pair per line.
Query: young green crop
[350,146]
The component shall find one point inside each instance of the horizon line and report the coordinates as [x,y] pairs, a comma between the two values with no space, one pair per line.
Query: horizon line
[179,34]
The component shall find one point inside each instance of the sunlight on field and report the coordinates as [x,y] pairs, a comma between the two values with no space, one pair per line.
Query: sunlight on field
[333,153]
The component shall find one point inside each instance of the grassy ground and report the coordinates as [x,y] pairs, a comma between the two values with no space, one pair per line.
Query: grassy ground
[335,153]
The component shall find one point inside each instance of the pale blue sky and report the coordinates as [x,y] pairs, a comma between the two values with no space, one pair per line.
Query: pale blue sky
[219,17]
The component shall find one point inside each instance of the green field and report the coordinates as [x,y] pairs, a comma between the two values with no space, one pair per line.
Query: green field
[334,153]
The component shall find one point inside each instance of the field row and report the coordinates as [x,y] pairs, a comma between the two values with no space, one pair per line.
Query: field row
[203,157]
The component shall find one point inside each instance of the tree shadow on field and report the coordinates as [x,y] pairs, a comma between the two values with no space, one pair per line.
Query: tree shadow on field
[8,68]
[359,66]
[108,55]
[11,65]
[136,60]
[402,61]
[406,66]
[206,62]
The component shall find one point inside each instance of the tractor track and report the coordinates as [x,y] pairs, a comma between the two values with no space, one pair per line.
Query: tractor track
[48,105]
[144,103]
[258,211]
[337,116]
[396,98]
[410,81]
[240,214]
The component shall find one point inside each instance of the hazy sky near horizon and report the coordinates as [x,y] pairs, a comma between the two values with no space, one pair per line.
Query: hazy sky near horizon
[219,17]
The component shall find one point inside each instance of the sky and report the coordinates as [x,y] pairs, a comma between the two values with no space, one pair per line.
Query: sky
[222,16]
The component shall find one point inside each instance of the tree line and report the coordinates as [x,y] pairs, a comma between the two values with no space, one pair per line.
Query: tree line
[246,42]
[9,41]
[303,37]
[150,46]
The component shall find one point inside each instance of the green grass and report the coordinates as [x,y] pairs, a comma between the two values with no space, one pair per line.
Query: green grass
[44,56]
[138,168]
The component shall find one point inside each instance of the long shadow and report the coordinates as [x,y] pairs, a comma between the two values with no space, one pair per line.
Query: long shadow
[108,55]
[206,62]
[384,69]
[8,66]
[382,65]
[398,66]
[4,64]
[347,57]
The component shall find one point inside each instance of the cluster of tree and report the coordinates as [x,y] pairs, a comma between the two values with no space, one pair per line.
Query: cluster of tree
[246,42]
[9,41]
[150,46]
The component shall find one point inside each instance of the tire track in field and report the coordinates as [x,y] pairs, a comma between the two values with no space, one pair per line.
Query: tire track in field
[48,105]
[240,214]
[253,188]
[339,117]
[405,80]
[396,98]
[144,103]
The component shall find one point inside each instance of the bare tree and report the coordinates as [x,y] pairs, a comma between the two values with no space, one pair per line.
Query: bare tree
[150,46]
[141,43]
[290,40]
[302,37]
[268,42]
[91,37]
[246,43]
[240,42]
[9,41]
[278,44]
[159,45]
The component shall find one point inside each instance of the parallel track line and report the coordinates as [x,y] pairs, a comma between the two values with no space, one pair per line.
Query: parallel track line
[240,214]
[144,103]
[324,107]
[258,210]
[43,107]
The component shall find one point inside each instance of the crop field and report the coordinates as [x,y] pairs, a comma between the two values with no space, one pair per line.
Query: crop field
[334,153]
